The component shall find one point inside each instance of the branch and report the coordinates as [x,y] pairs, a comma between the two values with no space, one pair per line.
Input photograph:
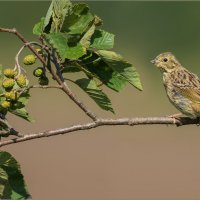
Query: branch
[96,121]
[65,88]
[63,85]
[104,122]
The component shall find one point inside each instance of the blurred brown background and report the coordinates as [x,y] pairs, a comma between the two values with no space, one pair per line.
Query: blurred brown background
[112,163]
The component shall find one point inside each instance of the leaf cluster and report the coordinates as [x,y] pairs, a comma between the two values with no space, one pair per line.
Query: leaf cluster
[12,185]
[82,46]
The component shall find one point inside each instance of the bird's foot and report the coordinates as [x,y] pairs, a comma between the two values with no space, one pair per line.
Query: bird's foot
[175,117]
[198,121]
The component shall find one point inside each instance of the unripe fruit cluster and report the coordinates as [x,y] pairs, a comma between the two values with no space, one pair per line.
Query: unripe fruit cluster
[11,85]
[38,72]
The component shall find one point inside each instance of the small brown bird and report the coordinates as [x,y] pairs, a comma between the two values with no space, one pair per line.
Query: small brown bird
[182,86]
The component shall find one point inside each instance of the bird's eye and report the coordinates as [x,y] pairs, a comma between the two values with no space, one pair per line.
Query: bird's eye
[165,59]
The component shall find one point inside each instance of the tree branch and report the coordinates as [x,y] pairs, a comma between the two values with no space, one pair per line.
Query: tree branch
[104,122]
[63,85]
[96,121]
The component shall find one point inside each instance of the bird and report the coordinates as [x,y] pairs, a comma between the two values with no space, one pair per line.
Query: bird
[182,86]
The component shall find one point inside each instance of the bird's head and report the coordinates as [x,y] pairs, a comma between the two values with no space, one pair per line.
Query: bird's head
[166,62]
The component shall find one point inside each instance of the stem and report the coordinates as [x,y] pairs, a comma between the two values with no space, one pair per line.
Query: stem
[45,86]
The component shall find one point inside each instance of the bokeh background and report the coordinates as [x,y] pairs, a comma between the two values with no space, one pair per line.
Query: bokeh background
[112,163]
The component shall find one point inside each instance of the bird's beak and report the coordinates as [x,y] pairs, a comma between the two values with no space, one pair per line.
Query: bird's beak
[153,61]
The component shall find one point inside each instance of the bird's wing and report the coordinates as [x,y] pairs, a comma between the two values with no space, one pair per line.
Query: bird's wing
[188,85]
[196,107]
[191,93]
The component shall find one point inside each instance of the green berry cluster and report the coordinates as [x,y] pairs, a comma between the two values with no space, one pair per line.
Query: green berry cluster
[38,72]
[11,89]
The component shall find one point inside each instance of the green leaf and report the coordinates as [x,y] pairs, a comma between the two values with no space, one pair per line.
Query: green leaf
[79,19]
[85,40]
[71,69]
[5,190]
[61,9]
[107,75]
[76,51]
[125,69]
[24,97]
[38,28]
[12,185]
[90,87]
[21,112]
[60,42]
[48,19]
[102,40]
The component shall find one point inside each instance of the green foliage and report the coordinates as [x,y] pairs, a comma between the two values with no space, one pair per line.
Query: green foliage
[85,40]
[38,28]
[72,30]
[91,88]
[21,112]
[78,20]
[94,63]
[72,42]
[12,185]
[102,40]
[65,50]
[118,64]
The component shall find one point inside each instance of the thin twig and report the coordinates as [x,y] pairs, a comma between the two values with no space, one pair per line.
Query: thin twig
[104,122]
[45,86]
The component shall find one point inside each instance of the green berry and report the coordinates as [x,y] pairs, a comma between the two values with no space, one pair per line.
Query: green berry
[11,95]
[43,80]
[21,81]
[5,104]
[8,83]
[38,72]
[9,73]
[29,59]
